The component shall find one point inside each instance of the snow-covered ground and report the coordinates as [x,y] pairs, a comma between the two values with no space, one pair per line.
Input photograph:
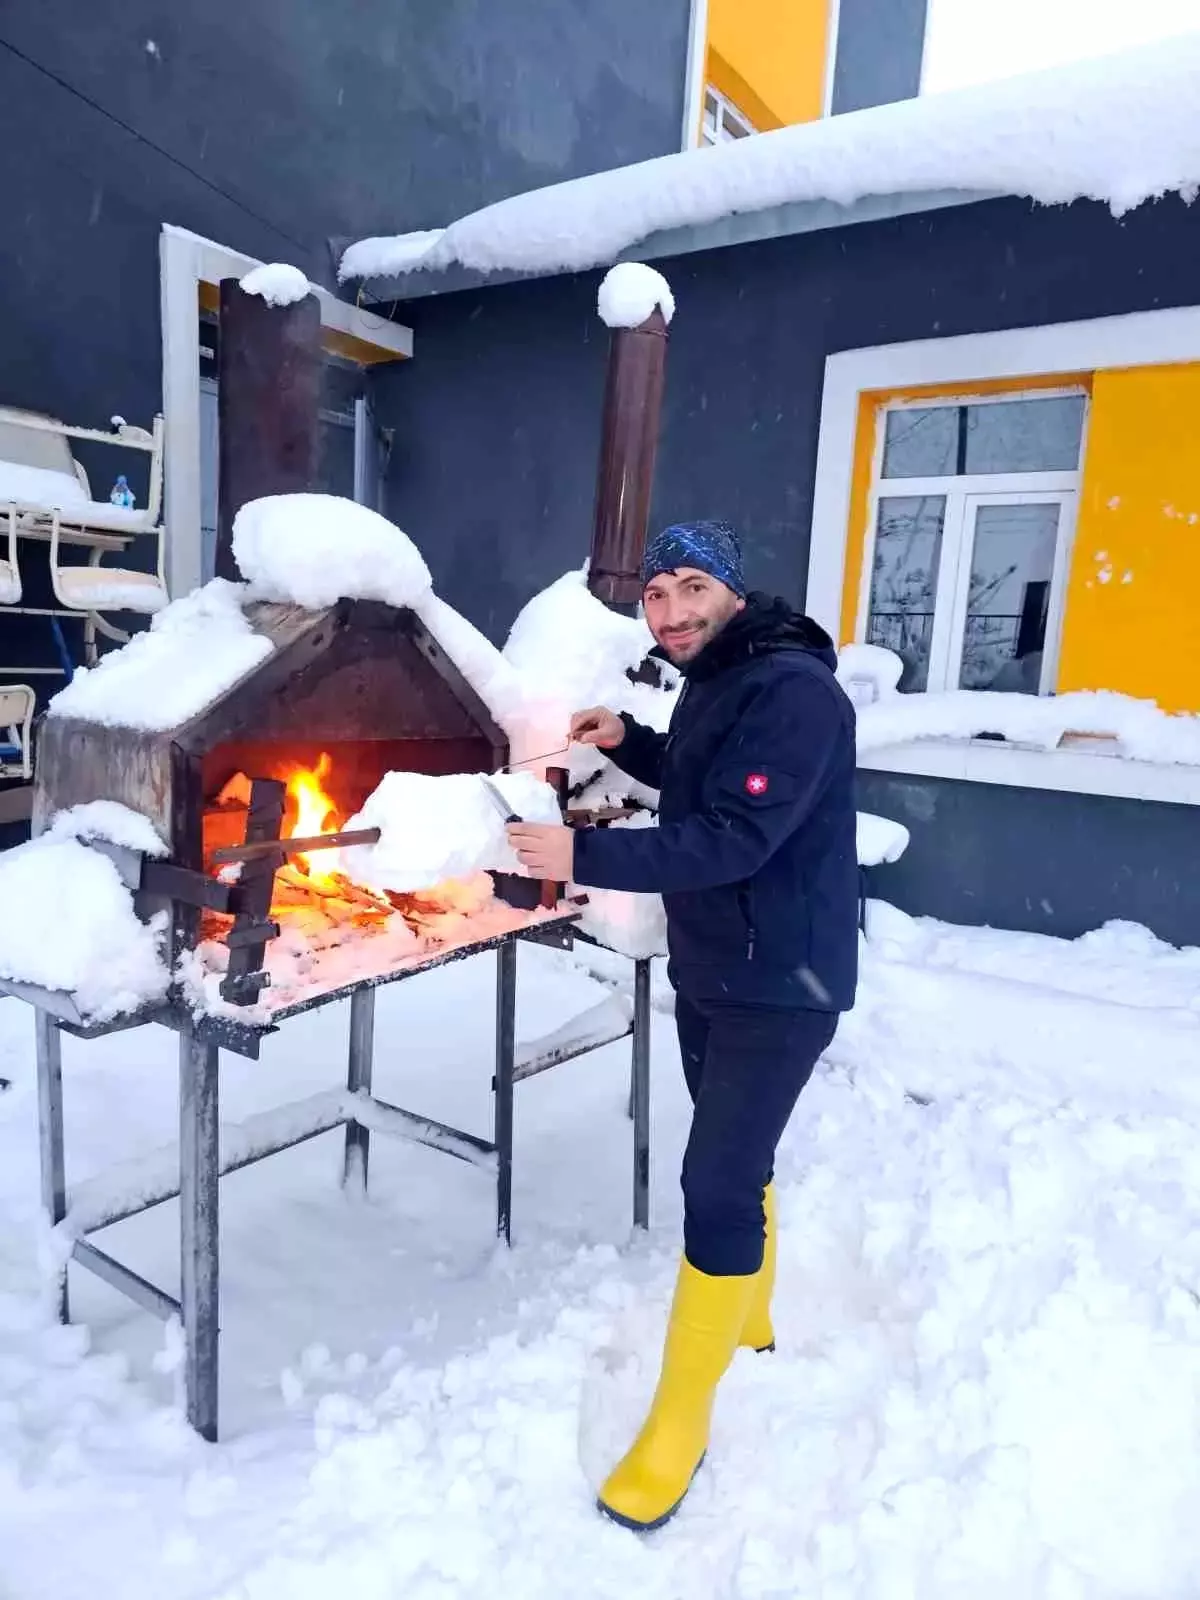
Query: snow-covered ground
[988,1380]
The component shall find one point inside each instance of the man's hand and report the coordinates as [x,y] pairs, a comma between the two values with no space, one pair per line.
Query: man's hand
[599,726]
[546,849]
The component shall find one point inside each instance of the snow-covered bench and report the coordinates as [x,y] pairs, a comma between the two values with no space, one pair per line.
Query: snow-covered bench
[45,495]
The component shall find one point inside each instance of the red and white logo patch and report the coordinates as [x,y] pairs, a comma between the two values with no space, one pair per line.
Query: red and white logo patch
[756,783]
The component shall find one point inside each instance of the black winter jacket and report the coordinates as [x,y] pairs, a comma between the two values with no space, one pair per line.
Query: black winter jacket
[755,852]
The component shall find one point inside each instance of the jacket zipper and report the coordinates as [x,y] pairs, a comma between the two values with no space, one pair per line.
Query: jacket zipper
[745,907]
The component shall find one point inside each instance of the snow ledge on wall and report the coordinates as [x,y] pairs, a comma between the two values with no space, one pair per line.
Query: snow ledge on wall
[1120,130]
[1140,730]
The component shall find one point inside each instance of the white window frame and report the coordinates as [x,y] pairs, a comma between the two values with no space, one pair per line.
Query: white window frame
[1138,339]
[726,112]
[694,77]
[186,260]
[962,493]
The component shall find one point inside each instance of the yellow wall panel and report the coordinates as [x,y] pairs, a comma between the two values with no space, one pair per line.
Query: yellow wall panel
[769,57]
[1132,618]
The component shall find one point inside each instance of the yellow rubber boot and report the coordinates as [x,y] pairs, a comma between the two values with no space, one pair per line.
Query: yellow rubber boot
[707,1317]
[759,1332]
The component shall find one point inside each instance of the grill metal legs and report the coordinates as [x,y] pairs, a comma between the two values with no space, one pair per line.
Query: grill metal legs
[358,1080]
[50,1133]
[199,1172]
[506,1046]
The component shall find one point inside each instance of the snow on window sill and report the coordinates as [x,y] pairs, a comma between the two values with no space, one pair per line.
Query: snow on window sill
[1086,767]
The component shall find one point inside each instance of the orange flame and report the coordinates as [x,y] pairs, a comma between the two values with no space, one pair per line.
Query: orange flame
[315,813]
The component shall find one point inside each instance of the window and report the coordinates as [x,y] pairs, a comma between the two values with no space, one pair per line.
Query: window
[722,119]
[973,513]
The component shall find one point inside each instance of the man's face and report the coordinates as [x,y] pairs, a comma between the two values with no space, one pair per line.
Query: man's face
[687,608]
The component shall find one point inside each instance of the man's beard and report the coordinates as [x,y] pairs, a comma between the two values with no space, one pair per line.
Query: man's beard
[684,646]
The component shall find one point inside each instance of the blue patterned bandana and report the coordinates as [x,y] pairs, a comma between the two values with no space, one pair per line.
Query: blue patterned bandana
[710,547]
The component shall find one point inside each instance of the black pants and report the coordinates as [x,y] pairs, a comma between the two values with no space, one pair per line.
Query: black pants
[745,1067]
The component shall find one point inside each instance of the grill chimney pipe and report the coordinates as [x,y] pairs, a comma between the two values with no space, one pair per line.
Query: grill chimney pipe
[269,373]
[629,440]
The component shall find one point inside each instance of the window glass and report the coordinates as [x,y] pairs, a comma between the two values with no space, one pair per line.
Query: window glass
[908,547]
[1025,435]
[1008,601]
[921,442]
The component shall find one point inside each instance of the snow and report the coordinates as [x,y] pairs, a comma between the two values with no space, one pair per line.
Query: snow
[570,651]
[378,257]
[44,489]
[432,829]
[880,840]
[40,486]
[633,924]
[630,295]
[1117,130]
[277,284]
[108,820]
[868,672]
[1141,730]
[493,679]
[75,929]
[987,1374]
[312,550]
[192,652]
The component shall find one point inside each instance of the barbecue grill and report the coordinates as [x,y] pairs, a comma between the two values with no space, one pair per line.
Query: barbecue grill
[347,694]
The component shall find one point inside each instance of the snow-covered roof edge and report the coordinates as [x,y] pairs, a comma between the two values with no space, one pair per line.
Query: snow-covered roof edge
[1119,130]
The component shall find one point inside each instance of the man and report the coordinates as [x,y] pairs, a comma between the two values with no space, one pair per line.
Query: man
[755,858]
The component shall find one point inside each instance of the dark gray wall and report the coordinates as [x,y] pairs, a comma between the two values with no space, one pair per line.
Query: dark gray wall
[497,430]
[880,48]
[270,126]
[1047,863]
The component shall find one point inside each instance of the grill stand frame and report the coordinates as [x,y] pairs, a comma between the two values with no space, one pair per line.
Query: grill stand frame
[358,1111]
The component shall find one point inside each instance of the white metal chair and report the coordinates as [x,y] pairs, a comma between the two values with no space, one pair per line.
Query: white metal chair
[10,567]
[47,495]
[17,701]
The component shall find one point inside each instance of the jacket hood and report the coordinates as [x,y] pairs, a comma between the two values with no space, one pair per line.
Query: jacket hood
[767,623]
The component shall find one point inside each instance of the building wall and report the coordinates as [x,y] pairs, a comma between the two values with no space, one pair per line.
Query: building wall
[880,49]
[271,126]
[1059,864]
[497,431]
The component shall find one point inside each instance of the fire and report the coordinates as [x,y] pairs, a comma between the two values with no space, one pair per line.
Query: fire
[312,899]
[315,813]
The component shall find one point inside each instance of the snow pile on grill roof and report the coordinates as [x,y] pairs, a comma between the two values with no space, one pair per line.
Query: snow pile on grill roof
[570,651]
[432,829]
[314,549]
[1120,130]
[277,284]
[75,929]
[1143,732]
[493,679]
[194,651]
[631,293]
[110,821]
